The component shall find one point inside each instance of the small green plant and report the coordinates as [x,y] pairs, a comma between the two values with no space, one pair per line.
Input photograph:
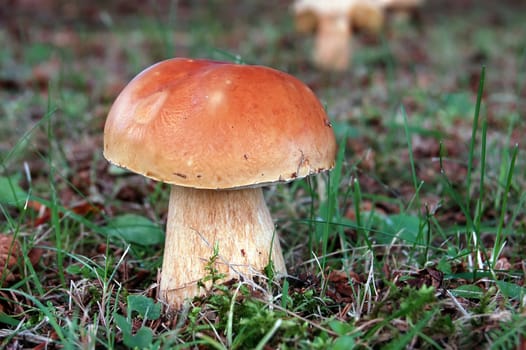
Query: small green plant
[213,275]
[142,309]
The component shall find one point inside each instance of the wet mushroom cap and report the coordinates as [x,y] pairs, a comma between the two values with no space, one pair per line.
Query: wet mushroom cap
[215,125]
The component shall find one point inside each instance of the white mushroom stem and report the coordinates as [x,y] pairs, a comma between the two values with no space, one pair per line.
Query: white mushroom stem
[237,221]
[333,41]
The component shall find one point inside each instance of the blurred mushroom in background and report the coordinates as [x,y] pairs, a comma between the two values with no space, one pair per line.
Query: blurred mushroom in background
[334,22]
[402,9]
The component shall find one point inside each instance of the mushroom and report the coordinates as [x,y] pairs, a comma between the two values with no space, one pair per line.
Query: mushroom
[334,22]
[217,132]
[401,4]
[402,10]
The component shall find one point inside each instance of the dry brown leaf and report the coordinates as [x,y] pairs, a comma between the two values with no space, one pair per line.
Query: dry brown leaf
[340,288]
[9,254]
[429,277]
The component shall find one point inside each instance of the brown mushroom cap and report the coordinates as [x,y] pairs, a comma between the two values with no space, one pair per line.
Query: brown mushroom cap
[216,125]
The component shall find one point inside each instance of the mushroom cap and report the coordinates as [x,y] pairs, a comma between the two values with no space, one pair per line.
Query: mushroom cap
[323,7]
[215,125]
[407,4]
[362,14]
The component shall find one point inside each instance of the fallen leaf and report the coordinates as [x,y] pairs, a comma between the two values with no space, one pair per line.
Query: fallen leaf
[429,277]
[82,208]
[340,286]
[9,255]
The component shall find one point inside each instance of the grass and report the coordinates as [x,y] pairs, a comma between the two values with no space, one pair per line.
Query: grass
[414,240]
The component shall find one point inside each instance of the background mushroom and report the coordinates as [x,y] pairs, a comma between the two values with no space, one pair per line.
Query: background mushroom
[217,132]
[333,22]
[402,10]
[401,4]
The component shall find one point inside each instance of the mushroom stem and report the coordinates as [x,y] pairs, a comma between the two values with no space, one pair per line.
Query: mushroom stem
[333,42]
[237,221]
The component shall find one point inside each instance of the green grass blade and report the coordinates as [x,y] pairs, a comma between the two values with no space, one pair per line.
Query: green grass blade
[357,195]
[478,213]
[269,335]
[331,205]
[51,317]
[504,207]
[403,341]
[474,136]
[55,218]
[410,149]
